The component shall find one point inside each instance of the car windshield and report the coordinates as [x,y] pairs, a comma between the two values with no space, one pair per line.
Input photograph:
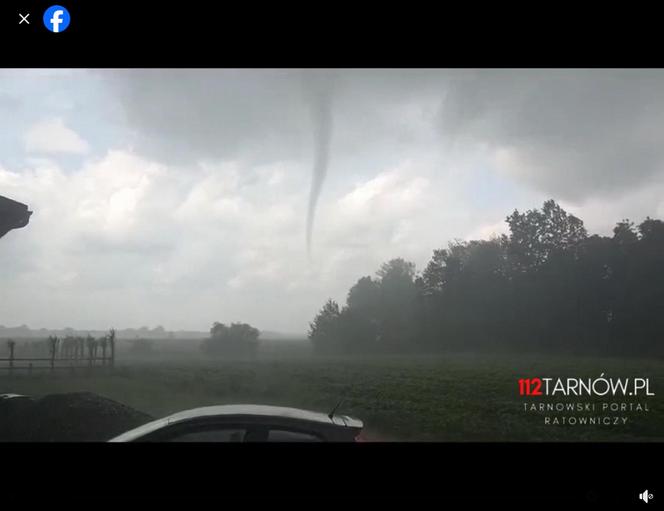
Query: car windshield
[443,255]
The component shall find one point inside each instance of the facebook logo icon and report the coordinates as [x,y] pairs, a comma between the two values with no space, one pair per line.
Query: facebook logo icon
[56,18]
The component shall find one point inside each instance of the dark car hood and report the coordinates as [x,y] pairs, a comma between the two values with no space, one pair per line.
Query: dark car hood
[13,215]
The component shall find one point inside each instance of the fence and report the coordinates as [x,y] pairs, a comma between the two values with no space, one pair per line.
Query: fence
[55,362]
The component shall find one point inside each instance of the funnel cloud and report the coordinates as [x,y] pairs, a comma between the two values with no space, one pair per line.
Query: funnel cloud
[322,130]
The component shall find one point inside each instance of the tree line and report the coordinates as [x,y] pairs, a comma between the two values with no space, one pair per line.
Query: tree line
[546,287]
[236,339]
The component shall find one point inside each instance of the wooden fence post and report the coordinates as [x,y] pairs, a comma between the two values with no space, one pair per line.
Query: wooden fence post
[53,345]
[112,343]
[11,345]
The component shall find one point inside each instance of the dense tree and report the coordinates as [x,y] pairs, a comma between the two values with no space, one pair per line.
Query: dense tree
[547,286]
[324,330]
[364,296]
[238,339]
[624,233]
[397,294]
[537,234]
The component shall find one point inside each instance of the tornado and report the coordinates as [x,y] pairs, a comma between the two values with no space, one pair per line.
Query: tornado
[321,113]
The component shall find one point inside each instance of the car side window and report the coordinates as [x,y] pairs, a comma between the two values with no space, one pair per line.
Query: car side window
[211,435]
[284,435]
[241,433]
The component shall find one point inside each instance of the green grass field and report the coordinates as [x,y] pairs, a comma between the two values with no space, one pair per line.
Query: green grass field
[441,398]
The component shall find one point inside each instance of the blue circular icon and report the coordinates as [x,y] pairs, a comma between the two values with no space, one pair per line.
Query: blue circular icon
[56,18]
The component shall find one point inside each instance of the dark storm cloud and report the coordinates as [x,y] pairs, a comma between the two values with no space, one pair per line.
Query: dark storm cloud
[188,115]
[185,115]
[569,133]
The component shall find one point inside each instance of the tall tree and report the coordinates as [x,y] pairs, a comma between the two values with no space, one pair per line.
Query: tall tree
[397,302]
[324,329]
[536,234]
[238,339]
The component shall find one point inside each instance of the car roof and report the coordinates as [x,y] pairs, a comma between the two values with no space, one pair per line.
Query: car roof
[279,412]
[261,410]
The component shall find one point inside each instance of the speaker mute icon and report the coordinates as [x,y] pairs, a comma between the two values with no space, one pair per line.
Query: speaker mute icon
[645,496]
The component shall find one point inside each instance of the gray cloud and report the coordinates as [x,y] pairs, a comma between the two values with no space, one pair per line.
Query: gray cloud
[570,133]
[181,116]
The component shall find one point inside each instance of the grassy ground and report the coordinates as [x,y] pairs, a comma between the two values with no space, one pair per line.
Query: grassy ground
[442,398]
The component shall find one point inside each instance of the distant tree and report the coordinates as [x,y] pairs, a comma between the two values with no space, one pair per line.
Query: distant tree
[103,343]
[53,345]
[640,317]
[652,231]
[363,296]
[358,332]
[324,331]
[360,318]
[434,275]
[397,304]
[68,347]
[379,314]
[238,339]
[111,343]
[396,270]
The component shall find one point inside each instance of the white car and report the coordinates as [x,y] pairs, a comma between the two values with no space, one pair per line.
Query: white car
[247,423]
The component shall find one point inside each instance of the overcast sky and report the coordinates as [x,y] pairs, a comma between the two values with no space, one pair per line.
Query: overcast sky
[179,197]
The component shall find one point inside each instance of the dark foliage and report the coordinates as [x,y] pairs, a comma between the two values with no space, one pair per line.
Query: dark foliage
[546,287]
[73,417]
[238,339]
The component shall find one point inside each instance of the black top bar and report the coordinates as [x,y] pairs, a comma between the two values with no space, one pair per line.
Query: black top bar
[249,34]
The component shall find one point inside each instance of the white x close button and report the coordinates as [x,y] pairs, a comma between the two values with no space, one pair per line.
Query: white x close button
[24,18]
